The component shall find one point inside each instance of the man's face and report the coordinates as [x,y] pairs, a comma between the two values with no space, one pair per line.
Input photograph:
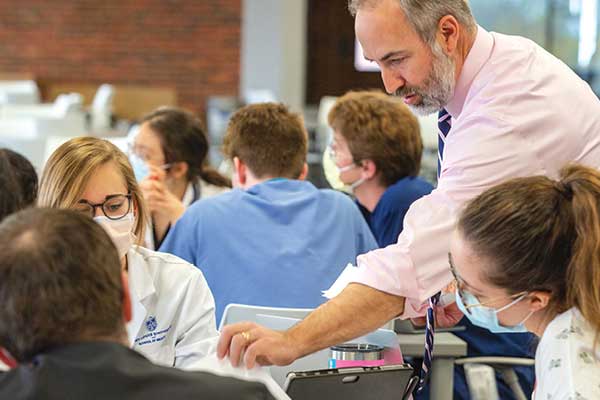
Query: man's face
[423,76]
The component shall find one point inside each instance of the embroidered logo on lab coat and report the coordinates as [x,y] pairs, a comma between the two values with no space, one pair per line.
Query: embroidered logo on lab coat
[151,323]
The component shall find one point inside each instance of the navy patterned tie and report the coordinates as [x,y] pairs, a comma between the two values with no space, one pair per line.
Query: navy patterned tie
[444,125]
[429,332]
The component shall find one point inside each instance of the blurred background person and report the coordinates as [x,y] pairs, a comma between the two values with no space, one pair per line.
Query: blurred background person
[376,150]
[18,183]
[169,158]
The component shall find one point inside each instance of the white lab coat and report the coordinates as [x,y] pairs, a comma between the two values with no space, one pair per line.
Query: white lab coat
[200,189]
[173,320]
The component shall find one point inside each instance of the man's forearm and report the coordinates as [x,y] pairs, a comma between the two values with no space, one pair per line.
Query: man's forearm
[358,310]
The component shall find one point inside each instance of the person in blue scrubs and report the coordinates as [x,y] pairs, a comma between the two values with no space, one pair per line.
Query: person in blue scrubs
[275,240]
[377,151]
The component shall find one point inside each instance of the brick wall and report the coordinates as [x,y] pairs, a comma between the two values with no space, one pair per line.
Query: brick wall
[192,46]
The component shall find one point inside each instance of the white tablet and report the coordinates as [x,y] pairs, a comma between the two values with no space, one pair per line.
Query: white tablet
[388,382]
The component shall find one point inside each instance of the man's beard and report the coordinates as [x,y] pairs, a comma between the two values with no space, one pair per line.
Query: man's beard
[438,88]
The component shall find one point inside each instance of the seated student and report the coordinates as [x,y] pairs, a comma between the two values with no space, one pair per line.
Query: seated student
[526,256]
[18,183]
[169,158]
[69,302]
[377,150]
[173,309]
[275,240]
[376,135]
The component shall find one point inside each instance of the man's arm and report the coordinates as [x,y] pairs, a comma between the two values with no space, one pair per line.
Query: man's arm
[356,311]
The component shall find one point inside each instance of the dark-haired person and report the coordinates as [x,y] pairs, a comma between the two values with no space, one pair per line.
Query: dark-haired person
[377,150]
[65,326]
[275,240]
[18,182]
[169,157]
[526,256]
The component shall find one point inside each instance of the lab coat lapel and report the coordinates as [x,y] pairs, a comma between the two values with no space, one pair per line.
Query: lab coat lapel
[141,287]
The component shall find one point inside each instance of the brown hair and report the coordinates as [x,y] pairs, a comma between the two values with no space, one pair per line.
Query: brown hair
[70,167]
[24,174]
[60,282]
[382,129]
[269,139]
[541,234]
[183,138]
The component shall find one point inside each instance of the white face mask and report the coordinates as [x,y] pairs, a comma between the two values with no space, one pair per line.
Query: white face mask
[120,231]
[333,172]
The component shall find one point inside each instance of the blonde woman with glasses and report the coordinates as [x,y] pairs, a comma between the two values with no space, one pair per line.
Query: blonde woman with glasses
[173,309]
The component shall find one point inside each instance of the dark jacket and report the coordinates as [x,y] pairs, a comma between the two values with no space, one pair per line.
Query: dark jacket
[103,370]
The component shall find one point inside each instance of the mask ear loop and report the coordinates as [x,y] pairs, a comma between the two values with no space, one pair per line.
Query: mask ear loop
[518,299]
[512,304]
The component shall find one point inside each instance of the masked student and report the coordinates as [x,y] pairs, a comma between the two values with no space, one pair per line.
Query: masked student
[375,155]
[169,158]
[526,256]
[173,320]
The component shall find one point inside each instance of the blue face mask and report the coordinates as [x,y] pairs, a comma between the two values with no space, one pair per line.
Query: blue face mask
[140,168]
[487,317]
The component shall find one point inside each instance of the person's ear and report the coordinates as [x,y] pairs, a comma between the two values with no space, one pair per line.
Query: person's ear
[368,169]
[127,308]
[449,30]
[538,300]
[179,170]
[240,173]
[304,172]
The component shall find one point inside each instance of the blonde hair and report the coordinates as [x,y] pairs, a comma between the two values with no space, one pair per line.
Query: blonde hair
[70,167]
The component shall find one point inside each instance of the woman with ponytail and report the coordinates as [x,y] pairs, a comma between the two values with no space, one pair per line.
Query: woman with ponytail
[169,157]
[526,257]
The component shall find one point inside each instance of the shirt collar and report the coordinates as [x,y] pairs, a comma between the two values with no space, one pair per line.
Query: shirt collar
[477,57]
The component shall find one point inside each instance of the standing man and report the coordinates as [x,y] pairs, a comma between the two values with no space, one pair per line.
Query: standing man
[508,109]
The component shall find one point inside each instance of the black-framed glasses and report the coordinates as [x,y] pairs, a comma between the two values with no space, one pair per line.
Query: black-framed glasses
[114,206]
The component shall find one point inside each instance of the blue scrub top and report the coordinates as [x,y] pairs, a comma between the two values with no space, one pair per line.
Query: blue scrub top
[386,223]
[387,219]
[279,243]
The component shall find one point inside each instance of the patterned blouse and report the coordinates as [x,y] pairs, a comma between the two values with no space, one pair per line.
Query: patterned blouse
[566,367]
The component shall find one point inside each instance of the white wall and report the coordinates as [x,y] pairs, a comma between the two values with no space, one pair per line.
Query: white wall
[273,54]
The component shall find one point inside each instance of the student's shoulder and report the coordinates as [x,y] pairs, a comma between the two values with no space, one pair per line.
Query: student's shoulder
[207,206]
[159,263]
[408,189]
[335,196]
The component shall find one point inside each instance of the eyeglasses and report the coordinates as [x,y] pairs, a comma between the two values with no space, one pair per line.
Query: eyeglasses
[114,207]
[459,288]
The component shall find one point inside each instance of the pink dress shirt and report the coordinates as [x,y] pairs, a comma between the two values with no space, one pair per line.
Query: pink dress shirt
[516,111]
